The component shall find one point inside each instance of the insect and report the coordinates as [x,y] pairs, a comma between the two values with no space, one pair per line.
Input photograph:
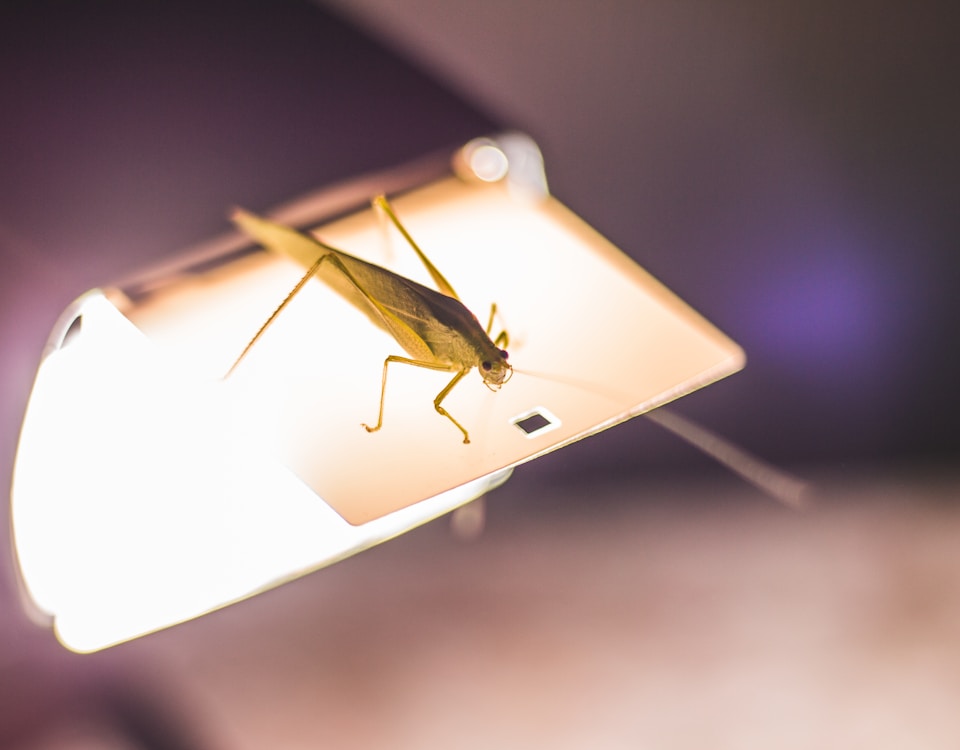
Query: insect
[439,333]
[433,327]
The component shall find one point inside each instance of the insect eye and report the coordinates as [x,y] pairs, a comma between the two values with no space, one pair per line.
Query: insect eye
[503,353]
[486,365]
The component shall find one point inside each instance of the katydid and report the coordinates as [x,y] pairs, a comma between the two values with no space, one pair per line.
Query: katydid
[433,326]
[439,333]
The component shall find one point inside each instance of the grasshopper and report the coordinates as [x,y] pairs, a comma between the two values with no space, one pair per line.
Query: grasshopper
[433,327]
[439,333]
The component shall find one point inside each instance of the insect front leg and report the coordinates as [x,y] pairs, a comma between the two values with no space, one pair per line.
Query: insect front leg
[436,402]
[443,394]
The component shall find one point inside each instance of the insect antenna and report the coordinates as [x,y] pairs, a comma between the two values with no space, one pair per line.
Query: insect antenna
[584,385]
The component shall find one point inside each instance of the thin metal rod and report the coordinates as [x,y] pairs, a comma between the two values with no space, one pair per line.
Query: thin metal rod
[778,484]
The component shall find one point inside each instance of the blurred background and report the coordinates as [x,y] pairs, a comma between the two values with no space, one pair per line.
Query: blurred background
[789,169]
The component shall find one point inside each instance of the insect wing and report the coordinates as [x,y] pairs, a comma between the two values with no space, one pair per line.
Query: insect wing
[429,325]
[363,284]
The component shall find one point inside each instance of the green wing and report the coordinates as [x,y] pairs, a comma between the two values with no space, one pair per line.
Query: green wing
[404,309]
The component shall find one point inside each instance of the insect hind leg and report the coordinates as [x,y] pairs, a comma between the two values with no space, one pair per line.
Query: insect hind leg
[332,258]
[273,316]
[443,285]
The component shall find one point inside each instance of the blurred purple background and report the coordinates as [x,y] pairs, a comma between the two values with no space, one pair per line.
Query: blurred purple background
[790,172]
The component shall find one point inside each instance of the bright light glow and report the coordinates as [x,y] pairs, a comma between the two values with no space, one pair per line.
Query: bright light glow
[488,163]
[140,500]
[148,490]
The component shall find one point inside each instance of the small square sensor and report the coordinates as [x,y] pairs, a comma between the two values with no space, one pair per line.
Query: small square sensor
[536,421]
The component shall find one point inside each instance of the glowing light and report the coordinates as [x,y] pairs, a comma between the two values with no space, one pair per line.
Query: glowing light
[140,500]
[489,163]
[148,490]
